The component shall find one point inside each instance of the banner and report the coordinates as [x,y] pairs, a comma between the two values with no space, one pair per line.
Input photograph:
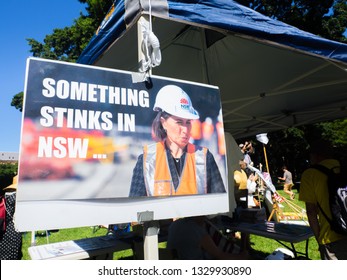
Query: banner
[83,131]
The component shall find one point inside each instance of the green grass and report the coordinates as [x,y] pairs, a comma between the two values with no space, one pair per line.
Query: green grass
[265,246]
[65,235]
[261,246]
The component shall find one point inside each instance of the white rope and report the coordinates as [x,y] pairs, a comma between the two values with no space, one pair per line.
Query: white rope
[150,46]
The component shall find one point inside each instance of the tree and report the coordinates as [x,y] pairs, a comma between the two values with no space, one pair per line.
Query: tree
[286,147]
[17,101]
[7,172]
[335,131]
[326,18]
[290,146]
[65,44]
[68,43]
[97,9]
[333,27]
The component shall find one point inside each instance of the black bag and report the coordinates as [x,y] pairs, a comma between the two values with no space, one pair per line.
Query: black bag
[337,186]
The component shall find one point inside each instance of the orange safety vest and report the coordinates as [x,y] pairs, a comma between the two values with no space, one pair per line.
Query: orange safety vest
[158,177]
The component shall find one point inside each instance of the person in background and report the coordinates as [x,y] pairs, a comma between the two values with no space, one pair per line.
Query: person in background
[314,191]
[247,150]
[172,165]
[245,188]
[11,239]
[189,239]
[288,182]
[242,182]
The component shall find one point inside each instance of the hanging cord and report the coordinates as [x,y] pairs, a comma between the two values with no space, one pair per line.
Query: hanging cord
[150,46]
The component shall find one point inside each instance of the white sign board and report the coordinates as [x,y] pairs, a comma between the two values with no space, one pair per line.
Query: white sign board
[83,131]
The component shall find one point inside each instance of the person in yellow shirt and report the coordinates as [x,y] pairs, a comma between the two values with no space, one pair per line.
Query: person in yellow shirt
[314,191]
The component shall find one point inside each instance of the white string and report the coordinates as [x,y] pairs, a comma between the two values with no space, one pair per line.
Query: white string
[150,15]
[150,46]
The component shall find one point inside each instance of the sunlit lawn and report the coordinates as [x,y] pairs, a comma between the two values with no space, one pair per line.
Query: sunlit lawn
[266,246]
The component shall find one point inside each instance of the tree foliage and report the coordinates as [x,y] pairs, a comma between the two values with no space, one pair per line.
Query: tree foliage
[286,147]
[68,43]
[7,172]
[17,101]
[97,9]
[65,44]
[336,131]
[326,18]
[290,147]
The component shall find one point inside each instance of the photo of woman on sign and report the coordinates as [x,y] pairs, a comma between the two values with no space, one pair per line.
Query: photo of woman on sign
[172,165]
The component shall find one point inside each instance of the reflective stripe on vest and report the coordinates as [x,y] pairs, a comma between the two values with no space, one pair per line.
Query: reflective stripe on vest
[158,177]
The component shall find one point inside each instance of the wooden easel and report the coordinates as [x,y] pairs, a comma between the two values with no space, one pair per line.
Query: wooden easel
[275,210]
[301,213]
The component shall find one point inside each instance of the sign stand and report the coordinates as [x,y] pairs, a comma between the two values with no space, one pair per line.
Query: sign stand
[150,235]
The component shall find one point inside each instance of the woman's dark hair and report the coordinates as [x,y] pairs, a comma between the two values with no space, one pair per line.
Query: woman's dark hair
[158,132]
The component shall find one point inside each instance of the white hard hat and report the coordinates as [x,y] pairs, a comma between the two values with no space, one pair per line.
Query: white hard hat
[173,100]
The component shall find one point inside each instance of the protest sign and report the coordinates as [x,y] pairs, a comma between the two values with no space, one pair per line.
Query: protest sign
[82,132]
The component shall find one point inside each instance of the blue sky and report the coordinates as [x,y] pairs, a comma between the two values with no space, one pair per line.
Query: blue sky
[20,20]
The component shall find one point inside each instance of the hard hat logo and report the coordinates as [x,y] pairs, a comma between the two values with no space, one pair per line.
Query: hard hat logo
[184,101]
[175,101]
[185,107]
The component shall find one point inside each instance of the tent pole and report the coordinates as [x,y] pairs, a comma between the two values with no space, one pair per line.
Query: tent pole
[204,68]
[150,231]
[266,162]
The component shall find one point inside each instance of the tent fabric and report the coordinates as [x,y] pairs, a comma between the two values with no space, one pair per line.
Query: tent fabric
[271,75]
[224,15]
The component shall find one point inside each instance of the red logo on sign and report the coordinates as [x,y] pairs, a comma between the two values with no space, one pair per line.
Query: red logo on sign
[184,101]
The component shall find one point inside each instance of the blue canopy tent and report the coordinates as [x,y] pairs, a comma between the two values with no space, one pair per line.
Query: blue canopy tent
[271,75]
